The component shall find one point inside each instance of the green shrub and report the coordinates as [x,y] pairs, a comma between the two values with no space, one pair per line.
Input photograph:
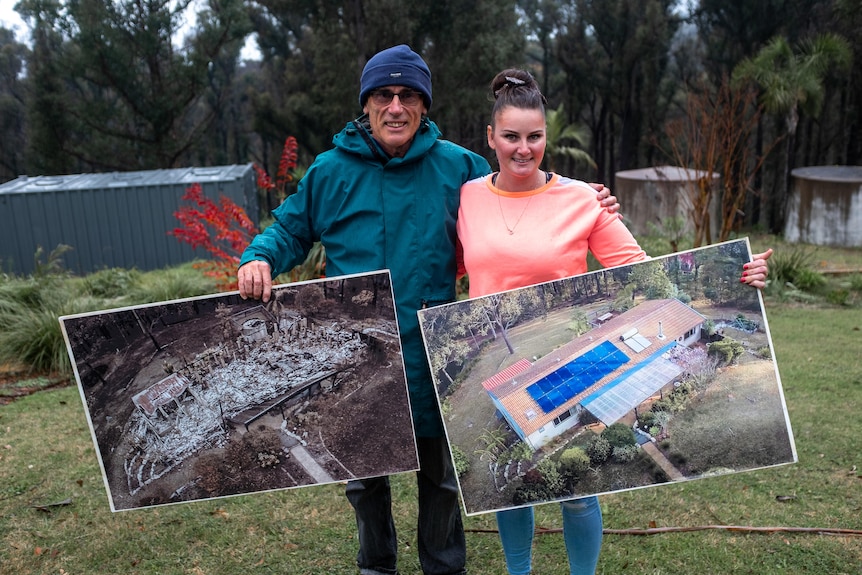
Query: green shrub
[838,296]
[809,280]
[574,461]
[462,463]
[619,435]
[550,471]
[30,307]
[111,283]
[533,488]
[599,449]
[765,352]
[625,453]
[171,284]
[727,349]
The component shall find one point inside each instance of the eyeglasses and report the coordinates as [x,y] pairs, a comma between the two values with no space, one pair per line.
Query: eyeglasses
[406,97]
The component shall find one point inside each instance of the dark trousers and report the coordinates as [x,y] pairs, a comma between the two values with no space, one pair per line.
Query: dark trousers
[440,533]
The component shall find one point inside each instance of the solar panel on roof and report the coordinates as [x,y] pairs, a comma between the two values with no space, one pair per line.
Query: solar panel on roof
[558,387]
[545,403]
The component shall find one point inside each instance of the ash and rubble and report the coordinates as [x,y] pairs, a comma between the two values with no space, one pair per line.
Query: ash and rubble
[229,378]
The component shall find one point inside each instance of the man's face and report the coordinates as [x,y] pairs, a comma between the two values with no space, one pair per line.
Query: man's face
[394,122]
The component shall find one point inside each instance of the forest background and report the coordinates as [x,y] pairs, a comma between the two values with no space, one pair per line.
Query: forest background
[114,86]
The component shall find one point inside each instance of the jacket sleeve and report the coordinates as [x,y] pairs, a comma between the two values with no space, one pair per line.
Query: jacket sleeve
[287,241]
[276,246]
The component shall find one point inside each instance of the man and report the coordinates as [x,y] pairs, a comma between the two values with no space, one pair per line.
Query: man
[386,197]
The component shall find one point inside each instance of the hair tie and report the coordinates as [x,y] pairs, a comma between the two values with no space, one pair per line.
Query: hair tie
[511,82]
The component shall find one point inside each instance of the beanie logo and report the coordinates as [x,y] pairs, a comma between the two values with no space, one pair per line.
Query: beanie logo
[395,74]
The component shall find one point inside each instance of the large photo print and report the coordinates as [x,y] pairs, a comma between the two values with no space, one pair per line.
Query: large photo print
[215,396]
[618,379]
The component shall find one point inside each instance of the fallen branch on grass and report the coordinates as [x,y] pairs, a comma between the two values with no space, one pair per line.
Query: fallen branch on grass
[736,528]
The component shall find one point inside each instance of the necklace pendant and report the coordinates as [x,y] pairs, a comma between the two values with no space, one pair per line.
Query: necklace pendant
[511,232]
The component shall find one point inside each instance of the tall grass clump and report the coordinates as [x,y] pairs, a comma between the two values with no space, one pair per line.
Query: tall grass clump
[111,283]
[30,334]
[30,306]
[173,283]
[792,271]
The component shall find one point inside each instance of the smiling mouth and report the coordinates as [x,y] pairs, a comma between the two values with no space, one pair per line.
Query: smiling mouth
[396,124]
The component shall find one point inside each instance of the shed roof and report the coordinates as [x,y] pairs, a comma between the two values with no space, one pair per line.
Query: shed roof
[35,184]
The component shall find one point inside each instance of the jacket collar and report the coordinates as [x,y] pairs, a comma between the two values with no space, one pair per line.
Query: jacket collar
[356,138]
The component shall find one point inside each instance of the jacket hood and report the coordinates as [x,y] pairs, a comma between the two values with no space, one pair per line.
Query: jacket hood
[356,138]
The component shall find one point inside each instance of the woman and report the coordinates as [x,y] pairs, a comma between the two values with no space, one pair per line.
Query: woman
[522,226]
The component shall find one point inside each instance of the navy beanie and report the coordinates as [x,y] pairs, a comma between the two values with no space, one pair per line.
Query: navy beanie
[396,66]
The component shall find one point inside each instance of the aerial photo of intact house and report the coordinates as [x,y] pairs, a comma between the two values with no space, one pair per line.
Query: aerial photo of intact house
[215,396]
[623,378]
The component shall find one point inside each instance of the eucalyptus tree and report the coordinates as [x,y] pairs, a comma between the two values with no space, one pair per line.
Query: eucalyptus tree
[464,56]
[447,333]
[542,21]
[793,81]
[13,138]
[651,279]
[314,52]
[126,95]
[312,57]
[848,22]
[49,126]
[731,30]
[227,138]
[623,49]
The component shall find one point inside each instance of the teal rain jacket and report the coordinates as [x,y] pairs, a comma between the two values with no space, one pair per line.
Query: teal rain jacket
[371,213]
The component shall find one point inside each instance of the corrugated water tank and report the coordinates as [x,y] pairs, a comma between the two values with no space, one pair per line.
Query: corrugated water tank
[118,219]
[654,195]
[825,206]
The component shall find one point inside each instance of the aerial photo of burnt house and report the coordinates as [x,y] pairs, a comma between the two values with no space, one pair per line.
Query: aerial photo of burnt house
[215,396]
[617,379]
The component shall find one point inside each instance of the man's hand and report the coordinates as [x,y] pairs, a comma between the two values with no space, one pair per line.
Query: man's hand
[608,201]
[255,280]
[754,272]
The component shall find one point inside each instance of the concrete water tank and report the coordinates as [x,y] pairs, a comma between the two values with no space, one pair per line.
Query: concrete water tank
[653,195]
[825,206]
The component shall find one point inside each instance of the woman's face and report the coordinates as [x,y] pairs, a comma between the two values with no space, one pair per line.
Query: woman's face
[518,139]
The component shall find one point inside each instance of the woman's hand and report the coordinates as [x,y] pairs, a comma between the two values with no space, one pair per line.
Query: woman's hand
[754,272]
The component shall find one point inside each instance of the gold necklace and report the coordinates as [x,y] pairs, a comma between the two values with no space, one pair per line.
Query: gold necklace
[546,177]
[502,215]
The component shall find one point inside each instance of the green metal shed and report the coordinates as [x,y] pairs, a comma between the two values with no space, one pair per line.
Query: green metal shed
[118,219]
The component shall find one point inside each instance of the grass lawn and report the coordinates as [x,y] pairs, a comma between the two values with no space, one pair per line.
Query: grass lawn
[55,518]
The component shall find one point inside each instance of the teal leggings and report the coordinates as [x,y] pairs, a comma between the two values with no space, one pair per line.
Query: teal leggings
[582,532]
